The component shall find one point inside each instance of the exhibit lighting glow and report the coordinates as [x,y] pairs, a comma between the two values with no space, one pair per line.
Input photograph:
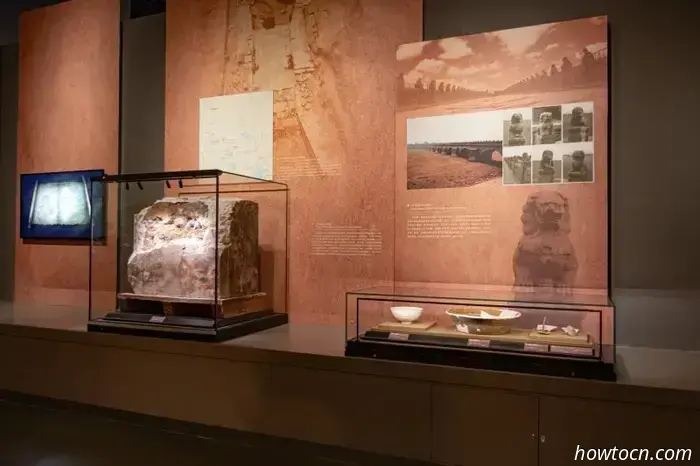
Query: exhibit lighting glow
[63,203]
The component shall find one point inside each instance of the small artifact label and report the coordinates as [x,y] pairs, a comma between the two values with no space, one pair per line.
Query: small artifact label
[507,345]
[536,347]
[398,336]
[573,350]
[478,343]
[157,319]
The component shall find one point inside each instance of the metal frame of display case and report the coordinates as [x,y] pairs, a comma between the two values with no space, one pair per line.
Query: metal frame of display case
[147,317]
[480,351]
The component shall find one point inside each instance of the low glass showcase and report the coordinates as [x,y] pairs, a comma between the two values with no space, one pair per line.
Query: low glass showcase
[201,255]
[548,333]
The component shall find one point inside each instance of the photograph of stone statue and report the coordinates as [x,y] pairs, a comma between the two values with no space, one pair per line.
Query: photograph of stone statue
[174,254]
[547,127]
[517,165]
[578,163]
[453,151]
[578,122]
[545,256]
[517,127]
[547,166]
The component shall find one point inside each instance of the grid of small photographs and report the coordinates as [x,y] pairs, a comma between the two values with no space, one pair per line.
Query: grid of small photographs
[548,145]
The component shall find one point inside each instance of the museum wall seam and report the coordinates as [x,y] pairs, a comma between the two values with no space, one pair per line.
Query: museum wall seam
[68,120]
[8,161]
[142,114]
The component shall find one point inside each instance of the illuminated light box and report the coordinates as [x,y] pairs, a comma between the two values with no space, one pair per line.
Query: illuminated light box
[60,205]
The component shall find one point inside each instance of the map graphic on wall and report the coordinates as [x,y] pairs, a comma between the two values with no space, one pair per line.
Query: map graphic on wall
[235,134]
[502,158]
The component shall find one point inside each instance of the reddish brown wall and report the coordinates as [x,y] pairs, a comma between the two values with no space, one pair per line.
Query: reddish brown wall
[68,120]
[334,107]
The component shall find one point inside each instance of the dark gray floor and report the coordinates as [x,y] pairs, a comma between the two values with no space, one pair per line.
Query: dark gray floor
[32,435]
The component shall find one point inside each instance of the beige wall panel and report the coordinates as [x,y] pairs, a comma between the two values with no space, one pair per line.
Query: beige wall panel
[68,120]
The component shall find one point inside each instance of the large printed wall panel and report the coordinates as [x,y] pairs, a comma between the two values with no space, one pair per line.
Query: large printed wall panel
[68,120]
[330,64]
[502,159]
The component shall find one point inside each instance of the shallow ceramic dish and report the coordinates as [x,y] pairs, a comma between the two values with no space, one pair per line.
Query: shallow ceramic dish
[406,314]
[483,321]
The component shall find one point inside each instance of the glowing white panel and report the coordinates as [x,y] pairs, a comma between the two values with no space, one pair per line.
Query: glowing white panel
[236,133]
[62,203]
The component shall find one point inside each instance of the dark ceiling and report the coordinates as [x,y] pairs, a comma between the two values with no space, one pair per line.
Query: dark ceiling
[10,10]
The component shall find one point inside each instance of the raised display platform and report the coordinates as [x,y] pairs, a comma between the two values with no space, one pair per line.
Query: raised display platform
[187,328]
[293,381]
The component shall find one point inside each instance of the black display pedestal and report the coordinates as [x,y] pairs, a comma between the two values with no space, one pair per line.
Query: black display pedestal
[481,359]
[186,328]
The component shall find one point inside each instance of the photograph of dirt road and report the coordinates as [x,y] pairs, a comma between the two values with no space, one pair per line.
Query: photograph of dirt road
[524,95]
[428,168]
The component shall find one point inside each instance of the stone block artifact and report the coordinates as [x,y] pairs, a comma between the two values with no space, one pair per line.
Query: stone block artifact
[175,252]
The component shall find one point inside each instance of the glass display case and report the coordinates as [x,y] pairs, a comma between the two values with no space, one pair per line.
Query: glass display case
[200,255]
[548,333]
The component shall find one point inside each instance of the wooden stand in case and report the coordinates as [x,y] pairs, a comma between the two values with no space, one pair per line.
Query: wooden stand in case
[189,318]
[519,350]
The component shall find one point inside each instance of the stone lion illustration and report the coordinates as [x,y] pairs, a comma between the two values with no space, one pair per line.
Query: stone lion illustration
[545,256]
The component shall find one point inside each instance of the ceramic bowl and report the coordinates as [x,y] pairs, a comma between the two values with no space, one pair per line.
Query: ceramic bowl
[477,321]
[406,314]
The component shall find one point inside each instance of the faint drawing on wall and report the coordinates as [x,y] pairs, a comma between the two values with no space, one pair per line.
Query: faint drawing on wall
[578,122]
[453,151]
[578,163]
[547,128]
[517,127]
[545,256]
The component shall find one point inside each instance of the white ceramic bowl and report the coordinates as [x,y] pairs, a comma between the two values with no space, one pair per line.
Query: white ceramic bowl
[406,314]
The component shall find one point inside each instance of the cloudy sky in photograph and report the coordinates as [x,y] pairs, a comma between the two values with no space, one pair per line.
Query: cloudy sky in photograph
[496,60]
